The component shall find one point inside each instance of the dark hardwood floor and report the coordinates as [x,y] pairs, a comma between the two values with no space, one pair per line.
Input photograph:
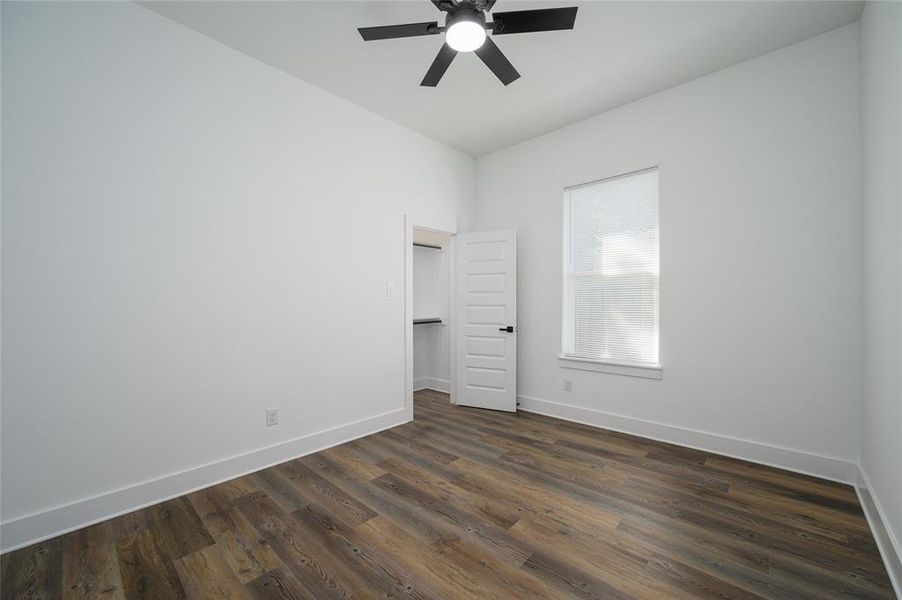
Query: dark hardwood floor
[465,503]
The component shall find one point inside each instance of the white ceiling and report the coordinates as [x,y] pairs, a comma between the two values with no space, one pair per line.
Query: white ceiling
[618,52]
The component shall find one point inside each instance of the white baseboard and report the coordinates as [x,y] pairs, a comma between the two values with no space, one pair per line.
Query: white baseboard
[432,383]
[23,531]
[825,467]
[887,541]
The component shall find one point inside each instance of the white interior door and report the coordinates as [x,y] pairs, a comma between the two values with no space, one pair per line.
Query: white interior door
[486,309]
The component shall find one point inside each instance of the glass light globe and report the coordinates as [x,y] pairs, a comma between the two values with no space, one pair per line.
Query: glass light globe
[465,36]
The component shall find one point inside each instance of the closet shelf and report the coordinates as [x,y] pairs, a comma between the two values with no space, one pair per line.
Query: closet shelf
[430,321]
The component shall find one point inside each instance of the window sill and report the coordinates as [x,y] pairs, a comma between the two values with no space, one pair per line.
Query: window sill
[584,364]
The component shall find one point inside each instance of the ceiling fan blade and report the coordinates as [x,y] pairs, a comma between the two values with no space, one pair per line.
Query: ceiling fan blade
[443,5]
[441,63]
[526,21]
[495,60]
[388,32]
[489,5]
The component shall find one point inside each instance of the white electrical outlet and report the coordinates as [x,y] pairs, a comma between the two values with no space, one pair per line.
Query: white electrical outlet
[390,290]
[272,417]
[568,385]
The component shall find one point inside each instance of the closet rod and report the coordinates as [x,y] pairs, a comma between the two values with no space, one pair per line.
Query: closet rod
[427,246]
[426,321]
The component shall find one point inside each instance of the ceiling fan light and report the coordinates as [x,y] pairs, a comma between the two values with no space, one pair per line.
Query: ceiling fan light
[465,36]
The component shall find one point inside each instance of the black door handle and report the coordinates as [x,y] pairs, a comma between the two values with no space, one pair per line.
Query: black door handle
[509,329]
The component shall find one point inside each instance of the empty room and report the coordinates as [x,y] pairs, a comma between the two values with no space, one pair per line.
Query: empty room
[451,299]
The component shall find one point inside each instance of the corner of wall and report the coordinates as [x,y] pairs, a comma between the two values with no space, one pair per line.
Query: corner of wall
[887,541]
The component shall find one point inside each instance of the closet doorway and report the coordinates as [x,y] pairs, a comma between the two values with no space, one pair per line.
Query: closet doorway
[431,311]
[429,315]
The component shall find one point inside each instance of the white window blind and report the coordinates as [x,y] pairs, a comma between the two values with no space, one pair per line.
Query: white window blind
[611,270]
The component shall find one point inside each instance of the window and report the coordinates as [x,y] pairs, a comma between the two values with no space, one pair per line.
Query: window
[611,275]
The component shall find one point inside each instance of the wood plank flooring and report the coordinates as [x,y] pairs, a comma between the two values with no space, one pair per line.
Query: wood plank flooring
[465,503]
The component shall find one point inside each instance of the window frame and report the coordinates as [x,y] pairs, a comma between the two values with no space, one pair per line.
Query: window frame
[649,371]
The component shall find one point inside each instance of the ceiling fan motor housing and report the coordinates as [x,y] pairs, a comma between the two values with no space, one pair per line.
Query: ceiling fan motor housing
[465,12]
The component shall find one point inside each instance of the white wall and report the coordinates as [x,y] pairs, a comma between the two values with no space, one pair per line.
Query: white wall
[176,256]
[760,256]
[881,87]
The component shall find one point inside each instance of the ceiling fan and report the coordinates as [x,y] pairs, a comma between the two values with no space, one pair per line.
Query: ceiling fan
[465,31]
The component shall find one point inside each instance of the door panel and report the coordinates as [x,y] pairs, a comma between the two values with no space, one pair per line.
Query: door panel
[486,283]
